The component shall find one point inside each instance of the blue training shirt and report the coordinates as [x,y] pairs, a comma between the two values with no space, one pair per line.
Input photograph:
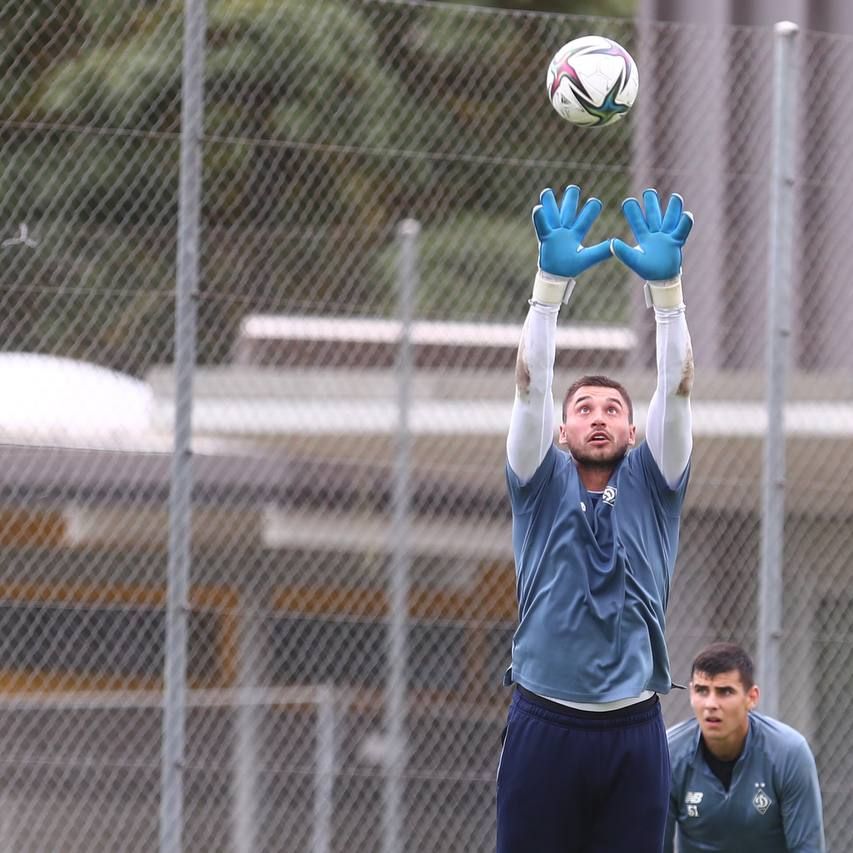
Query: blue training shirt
[773,804]
[593,578]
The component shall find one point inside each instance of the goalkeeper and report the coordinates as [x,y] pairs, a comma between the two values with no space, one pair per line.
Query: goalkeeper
[584,766]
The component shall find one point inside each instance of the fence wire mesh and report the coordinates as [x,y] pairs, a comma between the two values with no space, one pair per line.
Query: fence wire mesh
[326,123]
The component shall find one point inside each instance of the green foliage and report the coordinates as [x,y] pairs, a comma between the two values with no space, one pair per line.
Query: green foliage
[480,265]
[326,122]
[99,282]
[33,37]
[116,20]
[135,84]
[475,260]
[330,71]
[329,89]
[90,179]
[601,8]
[91,293]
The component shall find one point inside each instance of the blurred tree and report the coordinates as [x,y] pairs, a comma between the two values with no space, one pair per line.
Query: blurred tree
[325,124]
[599,8]
[33,37]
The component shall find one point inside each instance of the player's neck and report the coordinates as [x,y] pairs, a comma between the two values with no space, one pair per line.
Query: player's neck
[594,477]
[727,750]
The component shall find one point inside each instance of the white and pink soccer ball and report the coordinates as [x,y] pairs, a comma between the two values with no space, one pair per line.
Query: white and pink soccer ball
[592,81]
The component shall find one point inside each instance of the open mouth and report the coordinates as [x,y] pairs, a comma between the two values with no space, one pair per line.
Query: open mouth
[599,438]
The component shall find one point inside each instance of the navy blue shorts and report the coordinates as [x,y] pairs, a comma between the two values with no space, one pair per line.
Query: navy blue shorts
[580,781]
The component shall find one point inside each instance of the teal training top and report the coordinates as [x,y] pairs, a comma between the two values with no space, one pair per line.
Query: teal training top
[592,578]
[773,804]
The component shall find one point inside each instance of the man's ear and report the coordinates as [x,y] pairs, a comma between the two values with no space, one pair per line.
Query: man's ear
[561,435]
[752,696]
[632,435]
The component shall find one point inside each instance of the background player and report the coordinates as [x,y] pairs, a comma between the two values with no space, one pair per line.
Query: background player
[740,780]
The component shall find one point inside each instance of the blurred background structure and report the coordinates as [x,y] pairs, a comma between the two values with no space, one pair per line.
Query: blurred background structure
[327,576]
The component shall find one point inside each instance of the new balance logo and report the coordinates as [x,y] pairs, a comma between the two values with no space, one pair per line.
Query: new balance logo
[692,801]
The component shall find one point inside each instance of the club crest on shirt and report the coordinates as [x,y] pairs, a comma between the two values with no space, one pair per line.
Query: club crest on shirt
[761,801]
[609,495]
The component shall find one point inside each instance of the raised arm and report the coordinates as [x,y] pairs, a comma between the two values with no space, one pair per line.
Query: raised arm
[531,426]
[657,258]
[669,424]
[560,231]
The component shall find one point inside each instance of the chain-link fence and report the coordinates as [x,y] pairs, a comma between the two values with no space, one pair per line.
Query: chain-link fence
[351,588]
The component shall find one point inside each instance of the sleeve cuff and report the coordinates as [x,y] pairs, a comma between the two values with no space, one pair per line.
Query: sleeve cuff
[552,289]
[664,294]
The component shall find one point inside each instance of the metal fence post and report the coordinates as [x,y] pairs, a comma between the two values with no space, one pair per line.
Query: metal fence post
[778,335]
[324,781]
[398,598]
[180,496]
[247,713]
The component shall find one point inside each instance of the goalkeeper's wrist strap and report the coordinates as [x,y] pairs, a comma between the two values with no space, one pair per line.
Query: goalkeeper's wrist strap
[552,289]
[664,294]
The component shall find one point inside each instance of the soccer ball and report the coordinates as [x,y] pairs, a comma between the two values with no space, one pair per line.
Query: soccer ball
[592,81]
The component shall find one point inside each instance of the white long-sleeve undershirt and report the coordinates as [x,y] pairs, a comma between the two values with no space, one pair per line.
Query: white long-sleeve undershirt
[531,429]
[669,431]
[669,422]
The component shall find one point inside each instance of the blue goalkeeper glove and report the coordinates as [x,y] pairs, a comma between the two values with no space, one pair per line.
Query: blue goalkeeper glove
[560,231]
[657,256]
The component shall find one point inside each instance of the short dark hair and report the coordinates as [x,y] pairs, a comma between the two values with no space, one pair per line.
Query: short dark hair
[725,657]
[599,381]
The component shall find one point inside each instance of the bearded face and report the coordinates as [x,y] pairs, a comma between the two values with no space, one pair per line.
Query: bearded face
[597,430]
